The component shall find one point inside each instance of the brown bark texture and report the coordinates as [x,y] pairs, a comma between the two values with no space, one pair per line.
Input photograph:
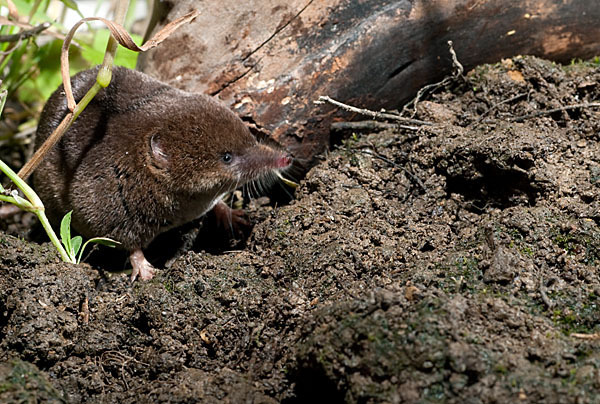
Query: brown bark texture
[269,60]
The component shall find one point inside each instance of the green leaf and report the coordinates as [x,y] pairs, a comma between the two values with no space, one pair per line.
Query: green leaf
[70,4]
[109,242]
[76,244]
[48,78]
[65,232]
[98,240]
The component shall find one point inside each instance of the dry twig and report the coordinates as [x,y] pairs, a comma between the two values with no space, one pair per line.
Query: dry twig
[591,337]
[493,107]
[410,175]
[373,114]
[370,125]
[553,110]
[458,72]
[84,313]
[122,37]
[25,34]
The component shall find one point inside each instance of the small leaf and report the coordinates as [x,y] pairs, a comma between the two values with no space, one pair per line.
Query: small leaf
[65,232]
[76,244]
[98,240]
[109,242]
[71,4]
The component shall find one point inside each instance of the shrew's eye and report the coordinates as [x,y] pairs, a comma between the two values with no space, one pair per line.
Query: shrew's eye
[227,158]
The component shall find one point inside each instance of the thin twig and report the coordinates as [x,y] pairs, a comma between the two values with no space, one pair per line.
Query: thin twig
[549,304]
[410,175]
[493,107]
[458,70]
[25,34]
[455,63]
[553,110]
[592,337]
[122,37]
[370,125]
[84,312]
[375,115]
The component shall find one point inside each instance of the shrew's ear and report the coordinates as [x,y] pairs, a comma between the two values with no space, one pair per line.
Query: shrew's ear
[159,157]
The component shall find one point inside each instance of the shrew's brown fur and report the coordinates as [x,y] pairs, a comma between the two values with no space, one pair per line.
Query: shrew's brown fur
[144,157]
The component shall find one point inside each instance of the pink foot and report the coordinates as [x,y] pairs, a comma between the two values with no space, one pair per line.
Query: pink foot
[227,217]
[141,267]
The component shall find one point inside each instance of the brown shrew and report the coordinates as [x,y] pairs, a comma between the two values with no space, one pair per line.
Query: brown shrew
[144,157]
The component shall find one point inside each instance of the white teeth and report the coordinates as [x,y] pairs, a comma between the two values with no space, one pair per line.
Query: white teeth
[286,181]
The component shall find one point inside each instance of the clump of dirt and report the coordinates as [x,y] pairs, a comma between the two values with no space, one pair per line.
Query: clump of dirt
[456,263]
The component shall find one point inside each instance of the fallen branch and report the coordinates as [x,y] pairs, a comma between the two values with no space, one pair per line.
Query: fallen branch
[553,110]
[370,125]
[375,115]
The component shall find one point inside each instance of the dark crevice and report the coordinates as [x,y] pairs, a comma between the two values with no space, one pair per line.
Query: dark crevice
[277,31]
[313,386]
[143,323]
[235,79]
[253,51]
[399,69]
[485,183]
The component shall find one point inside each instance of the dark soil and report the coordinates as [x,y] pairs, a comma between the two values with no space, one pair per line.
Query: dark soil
[457,263]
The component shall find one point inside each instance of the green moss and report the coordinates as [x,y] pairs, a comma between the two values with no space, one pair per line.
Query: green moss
[501,368]
[575,316]
[24,383]
[463,273]
[565,241]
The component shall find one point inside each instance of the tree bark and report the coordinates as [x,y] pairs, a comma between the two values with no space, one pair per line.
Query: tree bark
[269,60]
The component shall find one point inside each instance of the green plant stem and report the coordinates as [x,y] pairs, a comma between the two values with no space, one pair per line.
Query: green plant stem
[35,205]
[53,238]
[21,205]
[105,72]
[22,185]
[33,10]
[89,96]
[3,96]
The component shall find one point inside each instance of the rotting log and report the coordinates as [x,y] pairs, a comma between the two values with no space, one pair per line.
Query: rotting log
[270,59]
